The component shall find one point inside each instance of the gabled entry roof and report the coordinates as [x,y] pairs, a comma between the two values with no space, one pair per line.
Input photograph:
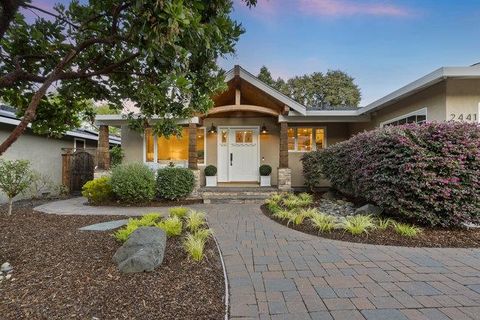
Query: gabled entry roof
[243,74]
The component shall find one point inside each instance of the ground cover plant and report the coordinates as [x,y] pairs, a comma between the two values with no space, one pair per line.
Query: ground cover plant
[69,274]
[425,173]
[287,209]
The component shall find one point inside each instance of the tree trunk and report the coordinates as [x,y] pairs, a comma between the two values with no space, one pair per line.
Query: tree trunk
[9,8]
[10,205]
[31,111]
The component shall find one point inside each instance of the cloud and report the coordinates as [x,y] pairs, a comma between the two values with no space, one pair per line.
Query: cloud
[268,9]
[338,8]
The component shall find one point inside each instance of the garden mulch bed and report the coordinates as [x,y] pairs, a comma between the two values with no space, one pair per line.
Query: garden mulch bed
[61,272]
[429,237]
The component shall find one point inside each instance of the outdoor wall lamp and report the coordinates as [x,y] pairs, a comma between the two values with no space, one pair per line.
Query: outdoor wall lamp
[212,129]
[264,129]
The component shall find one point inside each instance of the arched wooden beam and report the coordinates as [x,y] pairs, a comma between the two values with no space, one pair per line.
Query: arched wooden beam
[243,107]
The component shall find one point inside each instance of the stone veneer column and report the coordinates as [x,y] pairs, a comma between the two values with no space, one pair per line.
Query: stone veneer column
[103,148]
[284,172]
[192,157]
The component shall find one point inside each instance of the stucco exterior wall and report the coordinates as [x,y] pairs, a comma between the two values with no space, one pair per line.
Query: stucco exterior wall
[335,132]
[44,154]
[463,99]
[132,145]
[433,98]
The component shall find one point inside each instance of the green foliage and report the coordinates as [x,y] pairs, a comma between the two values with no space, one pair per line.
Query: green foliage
[305,199]
[175,183]
[333,90]
[273,206]
[283,214]
[147,220]
[323,222]
[383,224]
[133,183]
[117,48]
[406,230]
[265,170]
[291,201]
[358,224]
[299,215]
[195,220]
[98,190]
[178,212]
[210,171]
[203,234]
[116,156]
[194,246]
[172,226]
[15,178]
[277,197]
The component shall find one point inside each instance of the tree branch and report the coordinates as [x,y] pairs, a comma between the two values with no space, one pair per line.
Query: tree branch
[56,16]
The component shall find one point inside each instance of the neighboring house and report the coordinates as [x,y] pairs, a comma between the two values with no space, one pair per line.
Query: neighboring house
[253,124]
[43,153]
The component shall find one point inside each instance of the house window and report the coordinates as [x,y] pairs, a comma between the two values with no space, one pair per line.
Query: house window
[243,136]
[306,139]
[419,116]
[79,143]
[161,149]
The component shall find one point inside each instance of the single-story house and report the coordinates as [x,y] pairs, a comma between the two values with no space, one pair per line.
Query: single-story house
[44,153]
[252,124]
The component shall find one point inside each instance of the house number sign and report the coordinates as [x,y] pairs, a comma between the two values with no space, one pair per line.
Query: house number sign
[469,117]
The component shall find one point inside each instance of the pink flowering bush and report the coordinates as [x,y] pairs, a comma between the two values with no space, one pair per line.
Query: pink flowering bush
[428,172]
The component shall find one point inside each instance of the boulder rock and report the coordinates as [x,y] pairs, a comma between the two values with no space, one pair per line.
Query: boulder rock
[143,251]
[369,209]
[6,267]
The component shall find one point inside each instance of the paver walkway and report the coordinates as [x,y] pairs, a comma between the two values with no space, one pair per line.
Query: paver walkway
[279,273]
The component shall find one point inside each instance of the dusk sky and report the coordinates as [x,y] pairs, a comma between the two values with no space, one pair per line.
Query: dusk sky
[382,44]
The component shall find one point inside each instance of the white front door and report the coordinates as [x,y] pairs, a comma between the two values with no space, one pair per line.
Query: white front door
[238,154]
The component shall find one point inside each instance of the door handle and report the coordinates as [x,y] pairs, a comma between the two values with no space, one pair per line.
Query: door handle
[231,159]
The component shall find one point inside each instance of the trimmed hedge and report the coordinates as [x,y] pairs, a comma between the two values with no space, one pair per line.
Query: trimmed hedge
[428,172]
[175,183]
[133,183]
[98,190]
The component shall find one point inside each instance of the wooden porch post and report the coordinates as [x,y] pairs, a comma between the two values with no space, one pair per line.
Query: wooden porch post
[103,148]
[192,146]
[283,161]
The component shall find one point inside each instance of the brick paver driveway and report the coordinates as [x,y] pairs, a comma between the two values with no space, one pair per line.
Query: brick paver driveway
[279,273]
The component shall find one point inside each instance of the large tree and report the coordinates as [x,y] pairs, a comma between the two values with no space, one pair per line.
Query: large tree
[332,90]
[161,55]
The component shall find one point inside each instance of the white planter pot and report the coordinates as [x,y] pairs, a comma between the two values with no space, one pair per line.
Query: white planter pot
[265,181]
[211,181]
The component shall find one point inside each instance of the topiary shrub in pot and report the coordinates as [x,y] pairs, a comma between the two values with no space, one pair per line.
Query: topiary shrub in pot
[174,183]
[265,178]
[133,183]
[210,176]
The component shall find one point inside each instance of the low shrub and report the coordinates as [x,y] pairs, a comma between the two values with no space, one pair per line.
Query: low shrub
[175,183]
[265,170]
[210,171]
[98,190]
[358,224]
[133,183]
[172,226]
[426,172]
[180,212]
[323,222]
[406,230]
[194,246]
[195,220]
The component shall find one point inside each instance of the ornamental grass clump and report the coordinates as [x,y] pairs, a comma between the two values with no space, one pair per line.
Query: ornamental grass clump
[284,214]
[180,212]
[358,224]
[300,215]
[384,223]
[194,246]
[305,199]
[406,230]
[323,222]
[172,226]
[147,220]
[195,220]
[426,172]
[203,234]
[291,202]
